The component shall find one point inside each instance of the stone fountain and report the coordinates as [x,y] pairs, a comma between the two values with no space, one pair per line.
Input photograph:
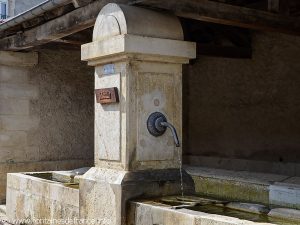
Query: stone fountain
[138,56]
[137,177]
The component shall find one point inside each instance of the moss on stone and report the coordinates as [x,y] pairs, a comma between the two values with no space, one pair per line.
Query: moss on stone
[231,190]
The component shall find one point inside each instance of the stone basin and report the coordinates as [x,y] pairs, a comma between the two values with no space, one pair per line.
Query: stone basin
[177,210]
[43,195]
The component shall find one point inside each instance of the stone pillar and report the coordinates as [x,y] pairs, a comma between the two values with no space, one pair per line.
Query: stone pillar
[138,56]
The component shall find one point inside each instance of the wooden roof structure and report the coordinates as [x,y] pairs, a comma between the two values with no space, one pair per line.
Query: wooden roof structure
[204,21]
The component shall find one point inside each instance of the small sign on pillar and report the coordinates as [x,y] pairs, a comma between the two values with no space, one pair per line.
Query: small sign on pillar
[107,95]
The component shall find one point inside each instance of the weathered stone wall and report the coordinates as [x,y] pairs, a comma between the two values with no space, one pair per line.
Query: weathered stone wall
[246,108]
[46,113]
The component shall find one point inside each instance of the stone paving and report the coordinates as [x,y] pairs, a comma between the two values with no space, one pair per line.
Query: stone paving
[244,186]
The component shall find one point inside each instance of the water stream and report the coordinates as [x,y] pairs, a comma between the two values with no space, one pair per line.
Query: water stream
[180,169]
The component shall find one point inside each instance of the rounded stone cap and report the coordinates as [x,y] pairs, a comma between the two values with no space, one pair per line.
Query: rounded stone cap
[116,19]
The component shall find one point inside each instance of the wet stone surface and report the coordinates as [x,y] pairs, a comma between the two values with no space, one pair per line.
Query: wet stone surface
[246,211]
[248,207]
[291,214]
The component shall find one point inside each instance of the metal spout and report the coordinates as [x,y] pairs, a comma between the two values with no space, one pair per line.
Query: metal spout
[174,132]
[157,124]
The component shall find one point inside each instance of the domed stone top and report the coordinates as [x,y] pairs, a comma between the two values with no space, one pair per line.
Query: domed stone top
[116,19]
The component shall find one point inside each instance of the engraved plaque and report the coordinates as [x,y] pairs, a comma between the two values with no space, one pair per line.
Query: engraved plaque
[107,95]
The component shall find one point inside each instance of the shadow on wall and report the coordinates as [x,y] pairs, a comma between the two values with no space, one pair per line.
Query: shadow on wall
[65,106]
[247,108]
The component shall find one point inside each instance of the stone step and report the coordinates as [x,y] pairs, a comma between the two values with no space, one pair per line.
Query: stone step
[284,168]
[243,186]
[285,194]
[283,213]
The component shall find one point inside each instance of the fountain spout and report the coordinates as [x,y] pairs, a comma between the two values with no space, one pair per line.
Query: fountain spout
[157,124]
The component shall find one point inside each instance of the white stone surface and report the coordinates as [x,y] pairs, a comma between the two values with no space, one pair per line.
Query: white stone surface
[107,120]
[290,214]
[30,197]
[137,21]
[3,217]
[144,48]
[155,93]
[284,194]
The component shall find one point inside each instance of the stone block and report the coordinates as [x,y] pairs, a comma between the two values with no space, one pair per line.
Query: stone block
[18,59]
[133,44]
[30,197]
[121,186]
[2,187]
[7,154]
[12,106]
[108,122]
[286,195]
[155,93]
[19,123]
[32,153]
[283,168]
[15,154]
[20,91]
[12,138]
[233,185]
[284,213]
[9,74]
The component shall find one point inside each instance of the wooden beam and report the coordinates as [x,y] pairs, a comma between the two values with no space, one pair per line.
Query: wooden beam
[203,10]
[293,7]
[221,13]
[273,5]
[279,6]
[224,51]
[80,3]
[79,38]
[73,22]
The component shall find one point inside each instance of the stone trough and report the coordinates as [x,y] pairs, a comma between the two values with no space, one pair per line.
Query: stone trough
[46,195]
[192,210]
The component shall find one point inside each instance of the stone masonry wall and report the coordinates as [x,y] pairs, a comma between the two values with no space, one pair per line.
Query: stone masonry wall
[246,108]
[46,112]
